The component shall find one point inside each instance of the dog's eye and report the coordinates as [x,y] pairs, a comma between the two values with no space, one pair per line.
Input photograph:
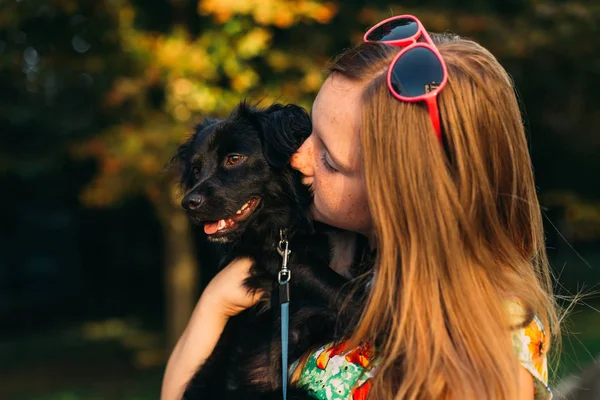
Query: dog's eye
[233,159]
[196,173]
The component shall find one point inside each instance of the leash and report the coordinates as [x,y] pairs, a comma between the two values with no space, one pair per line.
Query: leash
[284,300]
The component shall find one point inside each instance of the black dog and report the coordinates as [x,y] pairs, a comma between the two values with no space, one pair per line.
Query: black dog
[242,190]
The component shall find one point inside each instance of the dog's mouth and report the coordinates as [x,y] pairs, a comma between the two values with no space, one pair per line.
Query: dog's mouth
[226,225]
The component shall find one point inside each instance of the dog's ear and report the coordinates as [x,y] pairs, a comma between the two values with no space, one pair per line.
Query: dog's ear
[284,129]
[180,164]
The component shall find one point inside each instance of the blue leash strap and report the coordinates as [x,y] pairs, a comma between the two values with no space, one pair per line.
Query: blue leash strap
[285,316]
[284,299]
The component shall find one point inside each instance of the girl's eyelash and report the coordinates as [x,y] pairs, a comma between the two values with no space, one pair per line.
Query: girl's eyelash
[326,164]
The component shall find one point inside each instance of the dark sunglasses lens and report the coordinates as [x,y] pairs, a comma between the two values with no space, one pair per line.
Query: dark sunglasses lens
[416,72]
[396,29]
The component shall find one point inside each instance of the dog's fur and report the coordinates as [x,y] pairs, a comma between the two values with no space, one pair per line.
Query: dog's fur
[246,362]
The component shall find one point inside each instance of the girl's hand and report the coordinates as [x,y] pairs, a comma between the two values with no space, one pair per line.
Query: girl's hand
[226,293]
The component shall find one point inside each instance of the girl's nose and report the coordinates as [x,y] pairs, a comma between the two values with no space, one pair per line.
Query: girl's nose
[303,158]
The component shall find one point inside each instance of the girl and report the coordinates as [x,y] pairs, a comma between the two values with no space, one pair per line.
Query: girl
[460,305]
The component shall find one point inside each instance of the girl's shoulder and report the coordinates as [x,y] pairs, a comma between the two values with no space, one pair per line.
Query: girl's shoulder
[335,372]
[530,345]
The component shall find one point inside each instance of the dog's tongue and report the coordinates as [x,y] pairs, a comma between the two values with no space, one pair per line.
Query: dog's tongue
[213,227]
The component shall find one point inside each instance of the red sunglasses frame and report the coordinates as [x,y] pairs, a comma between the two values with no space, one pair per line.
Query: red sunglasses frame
[409,44]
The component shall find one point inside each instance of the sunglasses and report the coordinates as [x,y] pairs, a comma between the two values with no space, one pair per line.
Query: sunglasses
[418,72]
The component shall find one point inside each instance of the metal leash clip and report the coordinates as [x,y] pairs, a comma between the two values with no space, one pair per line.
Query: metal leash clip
[284,274]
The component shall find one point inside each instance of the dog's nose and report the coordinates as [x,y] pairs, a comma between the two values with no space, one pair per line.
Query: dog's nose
[192,201]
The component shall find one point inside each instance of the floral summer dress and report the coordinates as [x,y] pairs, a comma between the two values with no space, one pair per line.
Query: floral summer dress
[334,372]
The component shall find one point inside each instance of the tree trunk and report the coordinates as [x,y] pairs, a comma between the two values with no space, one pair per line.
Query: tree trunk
[181,269]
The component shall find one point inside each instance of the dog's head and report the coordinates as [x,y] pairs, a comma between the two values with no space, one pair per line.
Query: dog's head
[236,173]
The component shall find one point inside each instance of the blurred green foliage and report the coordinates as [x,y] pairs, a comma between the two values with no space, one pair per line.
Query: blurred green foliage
[122,81]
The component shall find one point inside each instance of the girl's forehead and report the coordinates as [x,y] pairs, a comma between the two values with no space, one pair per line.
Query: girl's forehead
[336,118]
[338,102]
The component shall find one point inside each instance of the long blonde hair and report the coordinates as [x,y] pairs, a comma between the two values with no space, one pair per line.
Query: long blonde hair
[458,229]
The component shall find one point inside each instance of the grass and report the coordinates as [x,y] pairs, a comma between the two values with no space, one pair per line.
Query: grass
[110,360]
